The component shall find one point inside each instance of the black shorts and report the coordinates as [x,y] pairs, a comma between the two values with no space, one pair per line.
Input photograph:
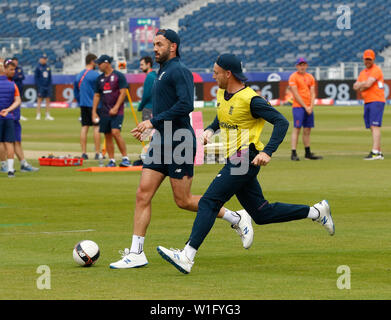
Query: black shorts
[86,116]
[155,160]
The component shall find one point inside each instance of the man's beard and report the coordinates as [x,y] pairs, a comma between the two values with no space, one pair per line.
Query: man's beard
[163,57]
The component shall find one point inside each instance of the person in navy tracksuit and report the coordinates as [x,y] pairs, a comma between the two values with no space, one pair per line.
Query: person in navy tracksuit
[43,82]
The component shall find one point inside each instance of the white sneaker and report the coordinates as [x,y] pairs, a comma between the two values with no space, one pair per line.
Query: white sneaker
[38,117]
[49,117]
[130,260]
[23,118]
[244,228]
[325,218]
[177,258]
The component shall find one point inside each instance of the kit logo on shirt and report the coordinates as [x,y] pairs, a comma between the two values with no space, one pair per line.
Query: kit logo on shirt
[161,76]
[107,88]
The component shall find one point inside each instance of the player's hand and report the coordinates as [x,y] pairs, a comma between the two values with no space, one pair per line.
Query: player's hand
[4,112]
[262,159]
[113,111]
[95,118]
[204,138]
[308,109]
[141,128]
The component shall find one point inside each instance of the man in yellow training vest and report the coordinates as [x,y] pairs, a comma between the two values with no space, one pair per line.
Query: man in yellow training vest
[241,115]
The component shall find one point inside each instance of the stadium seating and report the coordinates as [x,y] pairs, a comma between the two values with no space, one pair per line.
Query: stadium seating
[265,33]
[269,33]
[71,22]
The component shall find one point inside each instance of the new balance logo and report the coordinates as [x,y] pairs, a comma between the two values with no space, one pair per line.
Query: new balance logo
[176,256]
[324,220]
[127,260]
[245,230]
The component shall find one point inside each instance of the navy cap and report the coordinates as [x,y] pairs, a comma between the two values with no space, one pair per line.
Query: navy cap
[230,62]
[104,58]
[301,60]
[170,35]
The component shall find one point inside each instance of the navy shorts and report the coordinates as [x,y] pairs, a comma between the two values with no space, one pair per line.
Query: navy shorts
[18,131]
[107,123]
[43,92]
[167,163]
[7,130]
[373,114]
[302,119]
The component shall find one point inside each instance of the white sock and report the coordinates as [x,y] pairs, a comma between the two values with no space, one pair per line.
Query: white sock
[23,163]
[190,252]
[10,163]
[313,213]
[112,160]
[125,158]
[231,216]
[3,163]
[137,244]
[375,151]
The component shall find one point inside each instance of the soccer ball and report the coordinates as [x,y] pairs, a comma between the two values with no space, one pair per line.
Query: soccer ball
[86,253]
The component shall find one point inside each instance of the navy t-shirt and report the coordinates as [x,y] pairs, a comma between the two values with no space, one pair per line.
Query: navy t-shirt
[109,89]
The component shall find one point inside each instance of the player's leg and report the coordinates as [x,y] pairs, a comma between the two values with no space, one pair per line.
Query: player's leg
[47,106]
[308,124]
[83,141]
[184,199]
[298,114]
[375,117]
[96,134]
[3,157]
[86,121]
[263,212]
[222,188]
[134,256]
[376,138]
[110,147]
[39,102]
[116,125]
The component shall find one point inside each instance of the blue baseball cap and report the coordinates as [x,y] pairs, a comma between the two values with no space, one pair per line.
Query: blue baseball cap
[230,62]
[104,58]
[44,56]
[172,36]
[301,60]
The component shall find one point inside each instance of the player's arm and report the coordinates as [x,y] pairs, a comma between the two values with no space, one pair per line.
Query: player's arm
[76,91]
[210,131]
[312,92]
[17,102]
[95,103]
[260,108]
[298,98]
[121,98]
[367,84]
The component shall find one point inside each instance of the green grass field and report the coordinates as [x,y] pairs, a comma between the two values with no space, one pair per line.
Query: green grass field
[41,213]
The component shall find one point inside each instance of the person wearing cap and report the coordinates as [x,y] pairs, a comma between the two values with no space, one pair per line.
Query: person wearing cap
[110,89]
[370,84]
[172,102]
[43,82]
[241,115]
[302,86]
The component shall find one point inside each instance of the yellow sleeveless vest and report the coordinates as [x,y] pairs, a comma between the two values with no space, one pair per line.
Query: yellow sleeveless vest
[238,127]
